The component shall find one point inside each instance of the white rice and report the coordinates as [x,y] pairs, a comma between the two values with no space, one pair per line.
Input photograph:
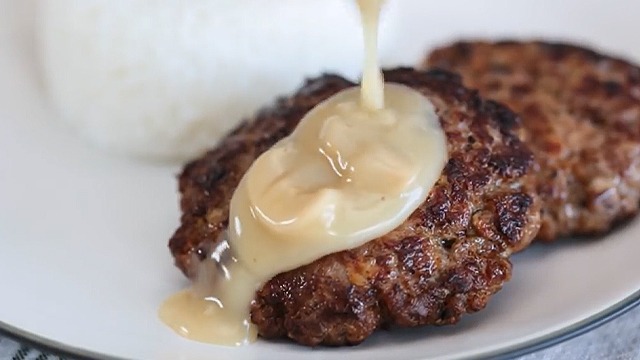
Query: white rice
[166,79]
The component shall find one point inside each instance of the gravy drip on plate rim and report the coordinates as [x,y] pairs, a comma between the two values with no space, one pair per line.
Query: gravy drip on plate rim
[354,169]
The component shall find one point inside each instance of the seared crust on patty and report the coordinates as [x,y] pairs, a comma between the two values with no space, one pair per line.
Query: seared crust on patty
[445,260]
[581,116]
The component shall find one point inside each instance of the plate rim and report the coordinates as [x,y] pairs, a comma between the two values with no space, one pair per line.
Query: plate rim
[566,333]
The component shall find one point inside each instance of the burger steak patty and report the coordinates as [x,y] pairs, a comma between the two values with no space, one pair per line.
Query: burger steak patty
[580,112]
[445,260]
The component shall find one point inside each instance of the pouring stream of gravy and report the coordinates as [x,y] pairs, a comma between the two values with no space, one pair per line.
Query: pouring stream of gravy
[354,169]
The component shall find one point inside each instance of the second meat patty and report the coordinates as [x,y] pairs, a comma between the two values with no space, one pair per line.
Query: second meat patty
[581,117]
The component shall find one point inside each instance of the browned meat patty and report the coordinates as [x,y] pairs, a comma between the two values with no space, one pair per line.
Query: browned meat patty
[447,259]
[581,117]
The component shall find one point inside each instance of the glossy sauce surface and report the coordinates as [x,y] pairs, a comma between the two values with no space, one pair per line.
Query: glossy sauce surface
[354,169]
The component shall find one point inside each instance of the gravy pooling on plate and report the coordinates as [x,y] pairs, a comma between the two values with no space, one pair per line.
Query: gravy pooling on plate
[354,169]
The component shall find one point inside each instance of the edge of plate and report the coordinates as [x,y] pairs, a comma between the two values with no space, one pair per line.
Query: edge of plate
[567,333]
[524,348]
[48,346]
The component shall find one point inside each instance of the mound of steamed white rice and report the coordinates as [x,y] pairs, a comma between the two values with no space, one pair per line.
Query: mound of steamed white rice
[167,79]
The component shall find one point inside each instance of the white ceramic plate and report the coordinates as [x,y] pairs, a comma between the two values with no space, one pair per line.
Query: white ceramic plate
[83,258]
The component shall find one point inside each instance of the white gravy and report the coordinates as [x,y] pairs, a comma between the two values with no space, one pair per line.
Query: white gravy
[354,169]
